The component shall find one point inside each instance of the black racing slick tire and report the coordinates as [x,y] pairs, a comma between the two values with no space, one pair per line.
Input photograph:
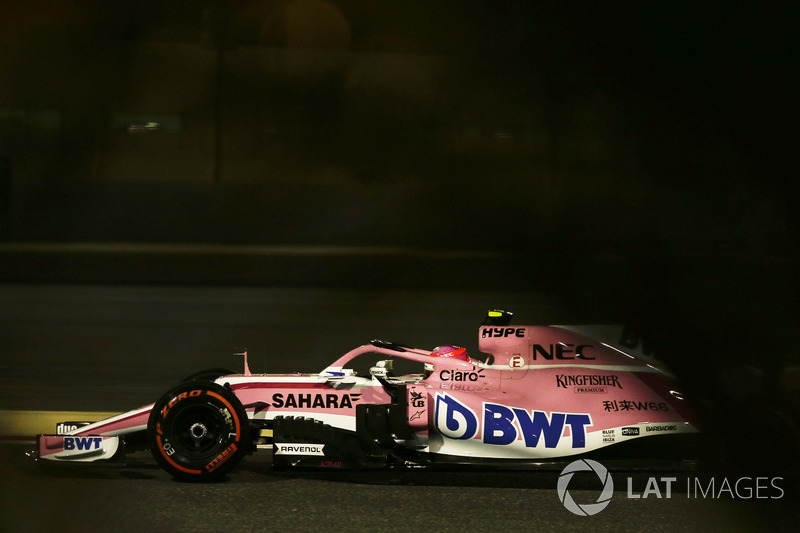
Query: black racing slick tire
[209,374]
[198,431]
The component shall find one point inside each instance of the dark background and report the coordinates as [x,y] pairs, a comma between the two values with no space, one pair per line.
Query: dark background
[636,163]
[181,179]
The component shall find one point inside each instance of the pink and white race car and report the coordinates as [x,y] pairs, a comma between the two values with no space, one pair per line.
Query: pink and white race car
[543,396]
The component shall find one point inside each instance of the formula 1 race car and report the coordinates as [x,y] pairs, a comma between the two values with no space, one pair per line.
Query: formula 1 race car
[544,394]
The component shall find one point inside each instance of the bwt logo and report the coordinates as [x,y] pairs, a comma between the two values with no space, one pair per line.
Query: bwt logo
[504,425]
[454,419]
[82,443]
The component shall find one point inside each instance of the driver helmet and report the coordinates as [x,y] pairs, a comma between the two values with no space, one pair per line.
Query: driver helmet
[454,352]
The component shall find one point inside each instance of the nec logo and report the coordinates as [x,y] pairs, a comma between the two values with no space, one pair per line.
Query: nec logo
[561,351]
[503,332]
[82,443]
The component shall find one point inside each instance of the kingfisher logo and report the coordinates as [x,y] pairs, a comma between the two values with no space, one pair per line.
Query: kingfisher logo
[564,380]
[503,425]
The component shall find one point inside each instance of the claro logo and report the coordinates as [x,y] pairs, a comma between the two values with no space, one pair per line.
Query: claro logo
[458,375]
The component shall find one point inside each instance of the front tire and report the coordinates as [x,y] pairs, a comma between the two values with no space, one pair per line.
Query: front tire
[198,431]
[209,374]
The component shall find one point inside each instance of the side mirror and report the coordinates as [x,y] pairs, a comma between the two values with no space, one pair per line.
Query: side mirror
[381,369]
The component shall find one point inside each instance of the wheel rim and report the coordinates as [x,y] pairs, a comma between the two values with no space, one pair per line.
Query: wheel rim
[200,430]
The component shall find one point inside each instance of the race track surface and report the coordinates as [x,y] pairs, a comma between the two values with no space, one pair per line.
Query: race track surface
[141,497]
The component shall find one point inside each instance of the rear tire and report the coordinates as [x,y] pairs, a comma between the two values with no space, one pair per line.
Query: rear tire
[198,431]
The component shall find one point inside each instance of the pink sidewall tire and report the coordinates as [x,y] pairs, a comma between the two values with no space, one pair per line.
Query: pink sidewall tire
[198,431]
